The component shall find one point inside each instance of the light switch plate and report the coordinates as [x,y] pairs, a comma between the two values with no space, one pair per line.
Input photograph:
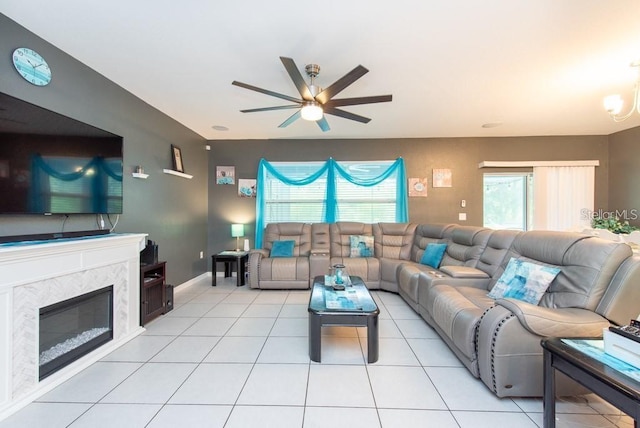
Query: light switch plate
[462,216]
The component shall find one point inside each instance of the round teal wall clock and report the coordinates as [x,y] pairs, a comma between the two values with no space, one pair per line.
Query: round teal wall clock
[31,66]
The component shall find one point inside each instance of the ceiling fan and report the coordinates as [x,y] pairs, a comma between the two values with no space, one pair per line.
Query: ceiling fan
[316,101]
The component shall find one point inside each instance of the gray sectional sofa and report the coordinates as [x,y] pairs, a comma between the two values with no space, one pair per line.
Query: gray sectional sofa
[498,340]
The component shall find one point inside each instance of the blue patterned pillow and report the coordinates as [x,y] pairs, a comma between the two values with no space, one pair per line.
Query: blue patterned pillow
[524,281]
[282,248]
[361,246]
[433,254]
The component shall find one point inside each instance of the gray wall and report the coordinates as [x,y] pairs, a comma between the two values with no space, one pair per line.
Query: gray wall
[172,210]
[624,177]
[461,155]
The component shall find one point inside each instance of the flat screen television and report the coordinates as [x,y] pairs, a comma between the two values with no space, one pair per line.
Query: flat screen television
[52,164]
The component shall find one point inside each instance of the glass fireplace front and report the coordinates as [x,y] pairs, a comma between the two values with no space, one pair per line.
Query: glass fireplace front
[72,328]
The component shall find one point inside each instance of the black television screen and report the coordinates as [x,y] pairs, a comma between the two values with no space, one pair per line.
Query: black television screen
[52,164]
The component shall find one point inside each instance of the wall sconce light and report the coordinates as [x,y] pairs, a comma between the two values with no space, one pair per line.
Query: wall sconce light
[613,104]
[237,231]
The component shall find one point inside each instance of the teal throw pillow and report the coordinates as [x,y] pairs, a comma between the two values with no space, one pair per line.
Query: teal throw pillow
[433,254]
[282,248]
[524,281]
[361,246]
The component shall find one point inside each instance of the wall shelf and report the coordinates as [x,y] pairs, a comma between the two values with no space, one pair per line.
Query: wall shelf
[179,174]
[139,175]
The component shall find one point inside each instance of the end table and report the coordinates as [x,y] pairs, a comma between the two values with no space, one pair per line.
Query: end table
[240,258]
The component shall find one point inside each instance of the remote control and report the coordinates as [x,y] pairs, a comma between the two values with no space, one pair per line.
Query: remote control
[630,331]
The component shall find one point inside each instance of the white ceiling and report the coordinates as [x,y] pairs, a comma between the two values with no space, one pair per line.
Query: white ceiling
[541,67]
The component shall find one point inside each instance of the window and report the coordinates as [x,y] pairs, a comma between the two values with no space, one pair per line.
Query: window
[307,203]
[369,192]
[508,200]
[287,202]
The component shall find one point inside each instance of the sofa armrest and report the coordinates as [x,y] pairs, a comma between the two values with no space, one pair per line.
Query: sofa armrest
[431,278]
[463,272]
[318,264]
[255,257]
[263,253]
[319,251]
[556,322]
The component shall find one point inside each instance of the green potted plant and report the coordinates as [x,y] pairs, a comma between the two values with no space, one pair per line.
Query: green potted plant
[612,224]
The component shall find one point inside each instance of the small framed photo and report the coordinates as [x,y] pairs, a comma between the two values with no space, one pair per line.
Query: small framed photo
[226,175]
[247,187]
[176,156]
[442,177]
[418,187]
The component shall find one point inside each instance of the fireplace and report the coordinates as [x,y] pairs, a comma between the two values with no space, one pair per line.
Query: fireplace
[74,327]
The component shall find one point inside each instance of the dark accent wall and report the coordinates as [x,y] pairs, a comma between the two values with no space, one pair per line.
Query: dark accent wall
[421,155]
[624,176]
[171,210]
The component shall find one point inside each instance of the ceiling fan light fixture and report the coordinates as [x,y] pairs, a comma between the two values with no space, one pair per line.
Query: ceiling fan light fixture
[312,111]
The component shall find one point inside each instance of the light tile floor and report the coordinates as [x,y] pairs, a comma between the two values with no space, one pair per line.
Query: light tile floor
[230,356]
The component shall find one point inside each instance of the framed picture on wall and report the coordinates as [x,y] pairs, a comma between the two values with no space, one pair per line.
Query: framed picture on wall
[176,156]
[225,175]
[418,187]
[247,187]
[442,177]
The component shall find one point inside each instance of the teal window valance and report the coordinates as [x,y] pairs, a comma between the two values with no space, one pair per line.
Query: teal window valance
[330,191]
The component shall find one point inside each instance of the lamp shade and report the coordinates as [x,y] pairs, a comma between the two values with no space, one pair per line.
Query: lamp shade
[237,230]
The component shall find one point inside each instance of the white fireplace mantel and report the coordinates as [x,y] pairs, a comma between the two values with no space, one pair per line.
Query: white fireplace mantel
[37,274]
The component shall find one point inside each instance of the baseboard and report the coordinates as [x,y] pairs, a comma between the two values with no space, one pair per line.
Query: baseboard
[181,287]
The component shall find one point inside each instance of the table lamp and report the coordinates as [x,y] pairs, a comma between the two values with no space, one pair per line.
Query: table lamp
[237,231]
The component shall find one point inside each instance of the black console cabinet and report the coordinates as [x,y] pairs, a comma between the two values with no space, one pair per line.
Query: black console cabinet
[153,291]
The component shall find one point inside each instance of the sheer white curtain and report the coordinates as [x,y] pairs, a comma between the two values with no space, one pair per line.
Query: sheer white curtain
[563,197]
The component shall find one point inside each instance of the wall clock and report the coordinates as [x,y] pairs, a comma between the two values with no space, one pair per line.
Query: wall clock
[31,66]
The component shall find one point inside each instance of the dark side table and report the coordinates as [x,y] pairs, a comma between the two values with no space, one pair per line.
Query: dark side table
[593,369]
[240,258]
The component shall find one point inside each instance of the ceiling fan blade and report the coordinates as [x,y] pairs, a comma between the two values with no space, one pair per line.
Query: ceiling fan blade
[265,91]
[346,114]
[341,83]
[253,110]
[295,116]
[297,78]
[360,100]
[323,124]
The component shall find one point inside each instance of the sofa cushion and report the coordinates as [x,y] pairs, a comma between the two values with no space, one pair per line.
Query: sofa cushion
[465,245]
[432,255]
[300,233]
[524,281]
[588,265]
[361,245]
[393,240]
[282,248]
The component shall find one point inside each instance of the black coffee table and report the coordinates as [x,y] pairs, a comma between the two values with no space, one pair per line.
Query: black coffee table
[352,307]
